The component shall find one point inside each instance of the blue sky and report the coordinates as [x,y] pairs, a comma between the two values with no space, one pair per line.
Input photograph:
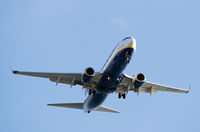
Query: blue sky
[70,35]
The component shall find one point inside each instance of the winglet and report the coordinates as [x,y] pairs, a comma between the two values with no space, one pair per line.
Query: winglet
[13,71]
[188,89]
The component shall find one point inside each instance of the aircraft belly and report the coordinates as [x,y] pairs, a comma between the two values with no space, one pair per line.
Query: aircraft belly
[109,81]
[94,101]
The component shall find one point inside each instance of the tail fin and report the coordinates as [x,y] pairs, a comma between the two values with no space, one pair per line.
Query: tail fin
[80,106]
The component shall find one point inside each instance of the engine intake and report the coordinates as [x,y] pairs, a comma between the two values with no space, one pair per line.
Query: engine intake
[87,75]
[138,80]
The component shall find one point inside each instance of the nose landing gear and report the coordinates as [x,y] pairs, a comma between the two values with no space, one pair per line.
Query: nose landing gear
[128,59]
[128,56]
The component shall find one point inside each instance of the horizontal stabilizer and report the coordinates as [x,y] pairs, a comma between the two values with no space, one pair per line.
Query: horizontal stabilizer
[105,109]
[69,105]
[80,106]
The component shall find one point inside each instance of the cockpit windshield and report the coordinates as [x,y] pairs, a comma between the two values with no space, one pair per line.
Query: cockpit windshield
[126,38]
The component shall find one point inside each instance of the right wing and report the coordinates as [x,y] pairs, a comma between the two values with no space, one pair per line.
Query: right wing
[66,78]
[147,87]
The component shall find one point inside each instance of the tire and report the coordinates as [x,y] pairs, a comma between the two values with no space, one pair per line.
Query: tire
[94,92]
[90,92]
[124,96]
[119,95]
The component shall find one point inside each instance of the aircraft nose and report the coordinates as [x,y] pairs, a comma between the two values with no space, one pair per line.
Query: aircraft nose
[130,41]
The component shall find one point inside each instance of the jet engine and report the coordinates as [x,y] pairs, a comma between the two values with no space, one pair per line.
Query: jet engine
[138,80]
[87,75]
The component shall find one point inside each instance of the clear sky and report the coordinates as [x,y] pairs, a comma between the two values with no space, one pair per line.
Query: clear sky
[70,35]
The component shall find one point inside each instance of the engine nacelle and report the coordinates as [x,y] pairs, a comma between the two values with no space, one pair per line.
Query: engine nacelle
[87,75]
[138,80]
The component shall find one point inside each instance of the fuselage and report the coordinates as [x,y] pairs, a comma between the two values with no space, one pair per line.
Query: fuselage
[112,73]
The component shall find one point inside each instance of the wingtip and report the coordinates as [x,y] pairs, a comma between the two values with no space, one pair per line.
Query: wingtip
[117,112]
[12,69]
[188,89]
[50,104]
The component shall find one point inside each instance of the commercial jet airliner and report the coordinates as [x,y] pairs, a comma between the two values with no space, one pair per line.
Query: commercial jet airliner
[99,85]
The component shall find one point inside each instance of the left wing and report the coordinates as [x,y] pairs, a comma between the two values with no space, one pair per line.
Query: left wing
[147,87]
[66,78]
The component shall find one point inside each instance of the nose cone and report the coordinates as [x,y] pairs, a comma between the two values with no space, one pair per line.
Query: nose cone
[131,42]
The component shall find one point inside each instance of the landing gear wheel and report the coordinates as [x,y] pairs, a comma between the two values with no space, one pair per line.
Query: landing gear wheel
[119,95]
[94,92]
[124,96]
[90,92]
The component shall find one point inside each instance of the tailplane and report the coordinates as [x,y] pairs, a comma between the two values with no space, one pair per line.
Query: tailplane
[106,109]
[80,106]
[69,105]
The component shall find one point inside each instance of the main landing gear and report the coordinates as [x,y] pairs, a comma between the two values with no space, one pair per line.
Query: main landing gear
[123,95]
[92,92]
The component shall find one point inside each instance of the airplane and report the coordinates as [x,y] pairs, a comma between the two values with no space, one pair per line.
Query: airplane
[110,79]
